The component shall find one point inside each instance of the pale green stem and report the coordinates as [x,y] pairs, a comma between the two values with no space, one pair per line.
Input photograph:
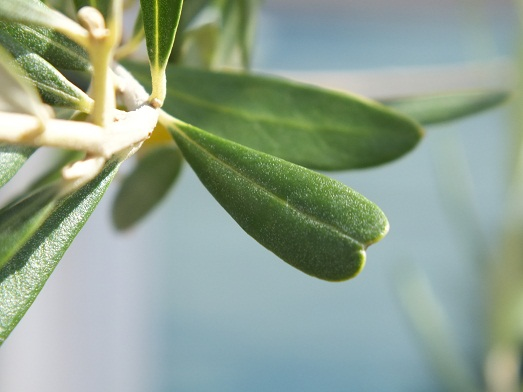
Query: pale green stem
[159,90]
[102,43]
[130,46]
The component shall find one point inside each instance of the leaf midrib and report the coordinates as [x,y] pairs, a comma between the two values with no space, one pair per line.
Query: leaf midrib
[262,119]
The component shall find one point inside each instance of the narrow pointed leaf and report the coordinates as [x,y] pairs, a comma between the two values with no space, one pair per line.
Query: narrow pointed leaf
[54,47]
[434,109]
[311,221]
[191,9]
[146,185]
[35,12]
[54,88]
[18,94]
[12,159]
[25,274]
[312,127]
[19,221]
[237,32]
[160,20]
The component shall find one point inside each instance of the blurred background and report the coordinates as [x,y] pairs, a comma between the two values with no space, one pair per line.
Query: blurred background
[188,302]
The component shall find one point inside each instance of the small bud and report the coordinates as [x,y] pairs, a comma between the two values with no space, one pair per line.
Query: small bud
[93,21]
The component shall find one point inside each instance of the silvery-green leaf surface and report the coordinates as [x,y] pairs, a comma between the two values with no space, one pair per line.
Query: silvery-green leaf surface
[54,88]
[35,12]
[54,47]
[160,21]
[313,127]
[24,275]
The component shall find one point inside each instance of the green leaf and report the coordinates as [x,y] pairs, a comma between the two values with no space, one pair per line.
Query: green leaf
[146,185]
[434,109]
[54,47]
[35,12]
[12,159]
[18,94]
[22,278]
[237,32]
[191,10]
[18,222]
[311,221]
[160,19]
[312,127]
[199,46]
[54,88]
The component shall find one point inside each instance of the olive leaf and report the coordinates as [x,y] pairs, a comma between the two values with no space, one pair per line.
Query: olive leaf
[20,220]
[54,88]
[160,20]
[17,95]
[12,158]
[24,275]
[312,127]
[54,47]
[311,221]
[154,174]
[237,31]
[191,9]
[438,108]
[35,12]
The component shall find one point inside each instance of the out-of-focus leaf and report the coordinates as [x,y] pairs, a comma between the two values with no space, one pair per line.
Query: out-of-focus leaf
[160,20]
[12,159]
[153,176]
[311,221]
[199,45]
[54,47]
[237,32]
[434,109]
[18,222]
[191,9]
[18,94]
[35,12]
[312,127]
[132,44]
[25,274]
[54,88]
